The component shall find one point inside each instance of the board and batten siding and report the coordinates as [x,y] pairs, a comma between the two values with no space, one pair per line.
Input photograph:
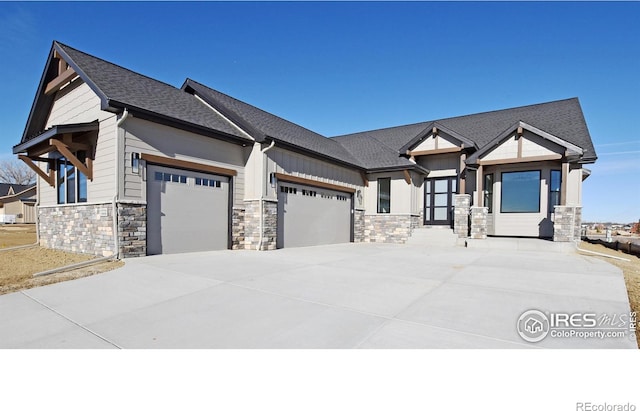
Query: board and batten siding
[77,103]
[532,145]
[299,165]
[439,141]
[142,136]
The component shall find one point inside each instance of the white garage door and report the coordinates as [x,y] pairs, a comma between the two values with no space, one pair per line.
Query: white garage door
[186,211]
[312,216]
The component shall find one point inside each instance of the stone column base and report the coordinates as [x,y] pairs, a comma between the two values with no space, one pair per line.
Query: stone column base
[479,222]
[462,203]
[251,239]
[567,223]
[132,229]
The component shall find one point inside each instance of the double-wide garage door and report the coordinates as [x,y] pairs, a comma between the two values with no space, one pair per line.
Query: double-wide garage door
[186,211]
[312,216]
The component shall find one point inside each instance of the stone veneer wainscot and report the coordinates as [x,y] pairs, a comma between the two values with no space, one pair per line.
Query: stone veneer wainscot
[78,228]
[389,228]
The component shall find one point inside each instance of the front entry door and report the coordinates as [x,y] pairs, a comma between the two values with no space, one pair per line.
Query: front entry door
[438,200]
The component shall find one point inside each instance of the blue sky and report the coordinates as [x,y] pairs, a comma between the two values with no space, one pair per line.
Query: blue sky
[338,68]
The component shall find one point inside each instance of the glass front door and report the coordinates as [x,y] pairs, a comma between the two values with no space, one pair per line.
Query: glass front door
[438,200]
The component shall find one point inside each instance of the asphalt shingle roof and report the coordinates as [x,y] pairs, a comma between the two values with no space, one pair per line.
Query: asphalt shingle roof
[119,87]
[17,188]
[272,126]
[118,84]
[562,118]
[371,152]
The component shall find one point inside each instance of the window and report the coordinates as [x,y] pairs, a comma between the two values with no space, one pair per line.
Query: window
[288,190]
[488,192]
[169,177]
[520,192]
[72,184]
[384,195]
[554,188]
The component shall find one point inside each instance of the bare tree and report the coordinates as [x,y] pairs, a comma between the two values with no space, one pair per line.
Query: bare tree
[16,172]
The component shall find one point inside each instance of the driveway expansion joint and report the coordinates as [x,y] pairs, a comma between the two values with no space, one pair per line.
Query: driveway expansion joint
[70,320]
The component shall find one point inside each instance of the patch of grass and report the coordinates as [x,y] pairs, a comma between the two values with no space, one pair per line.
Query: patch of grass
[13,235]
[630,269]
[18,266]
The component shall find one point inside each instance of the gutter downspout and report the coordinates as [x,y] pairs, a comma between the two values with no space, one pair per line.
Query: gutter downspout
[114,203]
[262,191]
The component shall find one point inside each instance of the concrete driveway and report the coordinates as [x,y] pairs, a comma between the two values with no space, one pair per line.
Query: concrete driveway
[338,296]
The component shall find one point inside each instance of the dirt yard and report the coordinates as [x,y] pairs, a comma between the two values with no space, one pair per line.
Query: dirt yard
[631,270]
[18,266]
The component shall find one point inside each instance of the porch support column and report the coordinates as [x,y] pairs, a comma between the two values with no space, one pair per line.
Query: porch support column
[462,187]
[479,188]
[563,183]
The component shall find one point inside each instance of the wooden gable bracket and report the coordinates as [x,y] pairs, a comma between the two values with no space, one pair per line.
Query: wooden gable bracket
[407,176]
[86,169]
[365,181]
[65,75]
[50,178]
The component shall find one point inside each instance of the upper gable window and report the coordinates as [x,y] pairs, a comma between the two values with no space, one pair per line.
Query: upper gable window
[520,192]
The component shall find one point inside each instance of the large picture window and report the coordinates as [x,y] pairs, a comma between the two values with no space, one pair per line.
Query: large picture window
[384,195]
[520,192]
[554,188]
[72,184]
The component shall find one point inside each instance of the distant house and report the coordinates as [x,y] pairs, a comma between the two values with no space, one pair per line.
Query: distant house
[17,203]
[132,166]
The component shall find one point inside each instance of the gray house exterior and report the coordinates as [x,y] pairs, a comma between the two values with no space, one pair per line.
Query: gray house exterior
[130,166]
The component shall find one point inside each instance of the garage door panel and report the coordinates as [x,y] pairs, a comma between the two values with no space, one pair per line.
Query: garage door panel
[186,211]
[310,216]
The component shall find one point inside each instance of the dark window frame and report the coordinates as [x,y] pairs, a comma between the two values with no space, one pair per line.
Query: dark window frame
[379,199]
[552,190]
[65,194]
[487,195]
[502,192]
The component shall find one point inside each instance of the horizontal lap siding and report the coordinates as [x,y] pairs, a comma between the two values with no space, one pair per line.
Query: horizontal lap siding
[142,136]
[102,188]
[77,103]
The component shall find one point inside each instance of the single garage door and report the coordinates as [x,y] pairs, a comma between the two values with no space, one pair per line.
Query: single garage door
[186,211]
[312,216]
